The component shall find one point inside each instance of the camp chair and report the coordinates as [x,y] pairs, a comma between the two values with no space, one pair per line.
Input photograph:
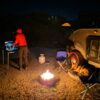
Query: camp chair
[61,55]
[62,60]
[92,80]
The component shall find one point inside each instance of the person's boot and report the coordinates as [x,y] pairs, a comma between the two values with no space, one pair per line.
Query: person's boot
[25,67]
[20,68]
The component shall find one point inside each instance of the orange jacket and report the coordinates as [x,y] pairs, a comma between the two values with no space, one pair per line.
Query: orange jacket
[20,40]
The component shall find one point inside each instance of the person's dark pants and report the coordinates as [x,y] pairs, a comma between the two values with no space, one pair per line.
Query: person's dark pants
[23,56]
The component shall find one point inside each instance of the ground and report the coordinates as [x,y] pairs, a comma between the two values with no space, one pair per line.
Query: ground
[24,85]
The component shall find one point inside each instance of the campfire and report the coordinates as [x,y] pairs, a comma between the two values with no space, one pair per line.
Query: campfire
[47,75]
[47,78]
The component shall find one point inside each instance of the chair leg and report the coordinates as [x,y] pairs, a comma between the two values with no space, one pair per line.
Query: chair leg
[84,95]
[61,66]
[87,86]
[85,91]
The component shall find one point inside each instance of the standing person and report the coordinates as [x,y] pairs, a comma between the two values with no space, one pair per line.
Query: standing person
[20,41]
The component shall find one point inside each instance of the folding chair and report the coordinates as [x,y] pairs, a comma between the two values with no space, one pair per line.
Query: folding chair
[92,80]
[62,60]
[61,55]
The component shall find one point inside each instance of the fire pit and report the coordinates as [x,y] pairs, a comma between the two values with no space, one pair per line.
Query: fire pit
[48,79]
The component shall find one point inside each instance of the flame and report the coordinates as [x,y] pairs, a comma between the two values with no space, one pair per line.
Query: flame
[47,75]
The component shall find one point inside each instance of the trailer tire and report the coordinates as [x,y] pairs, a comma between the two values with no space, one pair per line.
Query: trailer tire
[76,58]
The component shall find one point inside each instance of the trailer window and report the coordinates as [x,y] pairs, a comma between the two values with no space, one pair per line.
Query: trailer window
[93,48]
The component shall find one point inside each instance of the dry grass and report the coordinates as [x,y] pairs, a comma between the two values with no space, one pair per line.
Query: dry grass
[23,85]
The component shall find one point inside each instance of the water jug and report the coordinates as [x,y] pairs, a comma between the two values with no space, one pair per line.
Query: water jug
[42,59]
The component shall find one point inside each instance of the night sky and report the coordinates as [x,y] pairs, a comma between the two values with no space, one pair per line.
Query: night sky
[67,8]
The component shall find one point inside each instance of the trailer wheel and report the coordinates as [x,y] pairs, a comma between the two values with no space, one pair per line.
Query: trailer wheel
[76,58]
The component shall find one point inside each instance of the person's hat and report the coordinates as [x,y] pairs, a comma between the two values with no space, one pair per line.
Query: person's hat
[19,30]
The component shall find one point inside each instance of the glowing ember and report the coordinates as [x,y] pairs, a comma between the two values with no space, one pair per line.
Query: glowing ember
[47,75]
[48,79]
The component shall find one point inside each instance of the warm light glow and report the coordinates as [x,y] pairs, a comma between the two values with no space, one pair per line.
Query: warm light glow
[66,24]
[47,75]
[95,31]
[73,60]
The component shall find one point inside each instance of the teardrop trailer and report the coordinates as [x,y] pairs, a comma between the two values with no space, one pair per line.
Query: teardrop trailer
[84,56]
[85,49]
[86,46]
